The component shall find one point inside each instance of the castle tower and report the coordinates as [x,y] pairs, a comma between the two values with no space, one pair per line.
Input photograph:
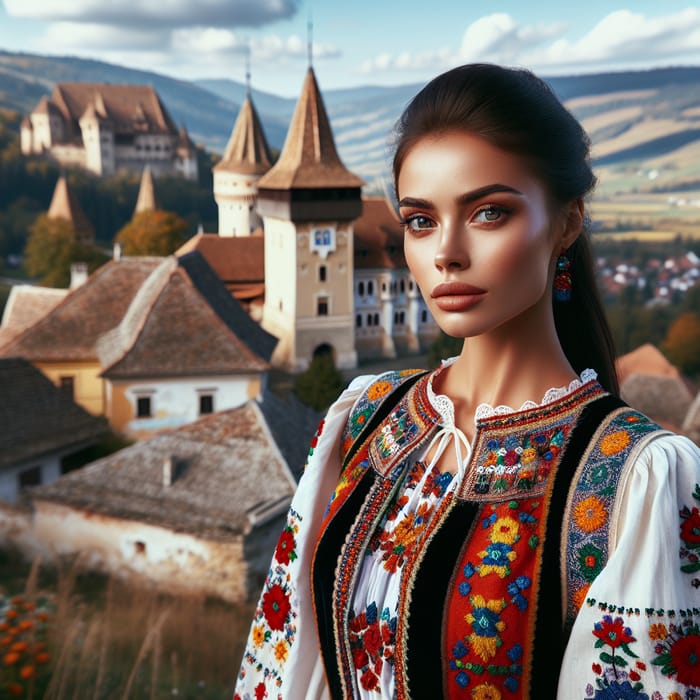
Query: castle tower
[146,200]
[309,201]
[236,175]
[65,206]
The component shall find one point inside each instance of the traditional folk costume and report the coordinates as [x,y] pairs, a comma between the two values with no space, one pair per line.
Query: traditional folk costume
[561,560]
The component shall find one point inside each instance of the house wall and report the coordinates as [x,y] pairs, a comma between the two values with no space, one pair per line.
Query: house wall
[49,467]
[88,385]
[235,196]
[174,402]
[175,561]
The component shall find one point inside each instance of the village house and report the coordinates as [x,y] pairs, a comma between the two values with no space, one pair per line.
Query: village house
[149,343]
[198,508]
[42,427]
[107,129]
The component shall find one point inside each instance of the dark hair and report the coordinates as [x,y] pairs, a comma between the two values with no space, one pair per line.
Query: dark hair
[516,111]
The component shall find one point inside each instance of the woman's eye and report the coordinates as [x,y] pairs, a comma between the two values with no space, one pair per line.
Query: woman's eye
[418,223]
[490,214]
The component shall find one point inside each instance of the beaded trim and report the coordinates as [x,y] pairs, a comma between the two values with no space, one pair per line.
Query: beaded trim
[591,500]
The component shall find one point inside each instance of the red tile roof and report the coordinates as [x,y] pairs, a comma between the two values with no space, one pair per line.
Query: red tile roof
[239,259]
[309,158]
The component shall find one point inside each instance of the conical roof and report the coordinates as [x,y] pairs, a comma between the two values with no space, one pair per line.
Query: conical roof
[247,151]
[146,201]
[65,206]
[309,158]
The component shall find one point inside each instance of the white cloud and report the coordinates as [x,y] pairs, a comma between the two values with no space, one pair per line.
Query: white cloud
[82,38]
[173,13]
[628,37]
[621,37]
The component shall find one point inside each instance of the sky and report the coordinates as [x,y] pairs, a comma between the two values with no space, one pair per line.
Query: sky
[358,42]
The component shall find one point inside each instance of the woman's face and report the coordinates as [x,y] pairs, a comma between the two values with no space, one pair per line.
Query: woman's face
[480,235]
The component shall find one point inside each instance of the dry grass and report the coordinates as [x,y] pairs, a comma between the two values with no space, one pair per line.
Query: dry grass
[108,640]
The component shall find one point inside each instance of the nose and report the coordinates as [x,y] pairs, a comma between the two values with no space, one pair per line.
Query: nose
[452,253]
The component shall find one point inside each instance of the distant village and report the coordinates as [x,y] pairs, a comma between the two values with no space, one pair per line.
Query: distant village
[175,353]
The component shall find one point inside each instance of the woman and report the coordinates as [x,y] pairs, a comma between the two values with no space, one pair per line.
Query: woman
[444,544]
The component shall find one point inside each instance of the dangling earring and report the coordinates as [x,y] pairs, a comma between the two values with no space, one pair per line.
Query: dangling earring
[562,278]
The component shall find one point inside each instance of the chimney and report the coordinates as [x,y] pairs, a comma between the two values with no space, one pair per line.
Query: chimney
[78,274]
[169,469]
[117,252]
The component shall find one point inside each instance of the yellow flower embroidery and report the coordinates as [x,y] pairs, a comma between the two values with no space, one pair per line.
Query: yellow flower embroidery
[505,530]
[486,691]
[258,636]
[529,455]
[590,514]
[658,631]
[281,650]
[485,623]
[615,442]
[378,389]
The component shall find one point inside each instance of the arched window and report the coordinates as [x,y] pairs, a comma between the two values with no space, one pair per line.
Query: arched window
[370,288]
[361,289]
[358,321]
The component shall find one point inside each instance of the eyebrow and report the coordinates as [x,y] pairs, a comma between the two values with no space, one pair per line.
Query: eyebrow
[465,198]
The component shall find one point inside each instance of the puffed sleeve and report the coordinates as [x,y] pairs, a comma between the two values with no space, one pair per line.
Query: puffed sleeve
[282,658]
[637,634]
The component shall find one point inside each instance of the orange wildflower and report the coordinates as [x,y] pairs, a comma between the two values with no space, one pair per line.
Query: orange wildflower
[14,689]
[26,625]
[5,641]
[19,646]
[11,614]
[11,658]
[26,671]
[4,626]
[42,658]
[42,616]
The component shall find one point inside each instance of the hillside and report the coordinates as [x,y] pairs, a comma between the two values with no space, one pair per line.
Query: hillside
[645,125]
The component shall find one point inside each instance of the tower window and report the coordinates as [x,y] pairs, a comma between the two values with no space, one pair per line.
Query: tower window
[322,306]
[322,273]
[358,320]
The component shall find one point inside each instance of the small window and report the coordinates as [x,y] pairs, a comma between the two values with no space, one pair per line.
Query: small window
[370,288]
[424,316]
[29,477]
[67,386]
[322,273]
[369,319]
[206,404]
[143,407]
[376,319]
[361,289]
[402,286]
[358,320]
[322,306]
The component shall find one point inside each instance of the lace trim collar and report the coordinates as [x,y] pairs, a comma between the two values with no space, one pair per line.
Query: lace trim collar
[444,406]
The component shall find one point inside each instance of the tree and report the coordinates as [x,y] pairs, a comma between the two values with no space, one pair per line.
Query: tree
[154,232]
[682,345]
[320,384]
[52,249]
[443,346]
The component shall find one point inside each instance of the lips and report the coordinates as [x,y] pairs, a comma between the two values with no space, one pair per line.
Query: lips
[456,296]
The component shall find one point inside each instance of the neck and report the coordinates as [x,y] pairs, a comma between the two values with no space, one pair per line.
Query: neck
[514,363]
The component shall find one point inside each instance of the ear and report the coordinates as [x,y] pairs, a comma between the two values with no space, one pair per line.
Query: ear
[572,218]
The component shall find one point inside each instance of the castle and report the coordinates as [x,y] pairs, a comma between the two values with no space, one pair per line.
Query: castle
[335,279]
[108,128]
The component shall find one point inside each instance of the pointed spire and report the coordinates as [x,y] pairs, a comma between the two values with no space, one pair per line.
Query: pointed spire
[247,72]
[247,151]
[310,41]
[65,206]
[146,201]
[309,158]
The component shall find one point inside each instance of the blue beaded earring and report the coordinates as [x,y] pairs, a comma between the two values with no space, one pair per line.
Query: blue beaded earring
[562,278]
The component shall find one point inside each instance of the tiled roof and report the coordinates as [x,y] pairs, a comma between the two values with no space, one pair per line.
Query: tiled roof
[664,399]
[65,205]
[247,151]
[646,360]
[309,158]
[26,305]
[129,108]
[71,330]
[37,418]
[229,471]
[172,328]
[239,259]
[378,236]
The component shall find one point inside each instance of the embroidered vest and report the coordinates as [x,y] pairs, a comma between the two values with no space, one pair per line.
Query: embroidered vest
[485,603]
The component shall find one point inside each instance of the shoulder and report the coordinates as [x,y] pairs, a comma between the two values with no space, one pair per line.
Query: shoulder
[371,391]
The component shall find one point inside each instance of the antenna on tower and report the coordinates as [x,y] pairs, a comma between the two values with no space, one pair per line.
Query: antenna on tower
[247,70]
[309,31]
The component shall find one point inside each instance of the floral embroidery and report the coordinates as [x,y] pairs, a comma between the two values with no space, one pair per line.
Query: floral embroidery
[274,622]
[508,465]
[395,432]
[590,514]
[372,640]
[379,390]
[690,537]
[510,531]
[315,438]
[614,442]
[678,651]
